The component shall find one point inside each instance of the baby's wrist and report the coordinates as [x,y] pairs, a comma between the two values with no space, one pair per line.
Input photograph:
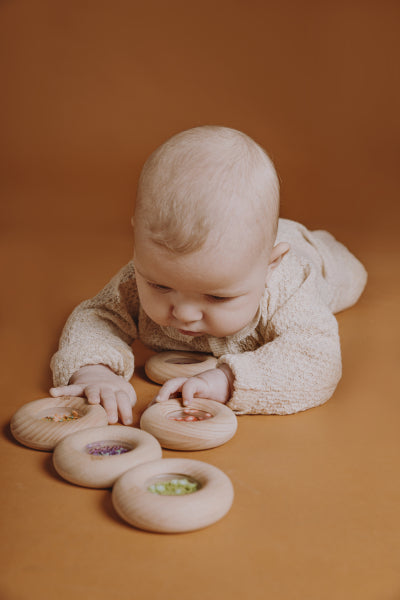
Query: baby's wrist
[228,374]
[99,368]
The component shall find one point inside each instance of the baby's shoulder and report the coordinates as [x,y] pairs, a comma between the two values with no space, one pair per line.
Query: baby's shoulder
[293,277]
[290,274]
[292,232]
[124,283]
[127,271]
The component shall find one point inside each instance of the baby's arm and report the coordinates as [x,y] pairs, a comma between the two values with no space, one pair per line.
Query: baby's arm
[95,358]
[299,367]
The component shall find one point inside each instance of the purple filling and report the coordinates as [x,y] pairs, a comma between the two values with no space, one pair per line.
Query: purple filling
[105,450]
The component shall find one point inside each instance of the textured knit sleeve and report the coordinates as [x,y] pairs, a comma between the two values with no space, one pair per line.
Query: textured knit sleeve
[299,365]
[101,330]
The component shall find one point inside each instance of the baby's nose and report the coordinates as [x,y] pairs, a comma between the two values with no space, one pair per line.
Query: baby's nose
[186,312]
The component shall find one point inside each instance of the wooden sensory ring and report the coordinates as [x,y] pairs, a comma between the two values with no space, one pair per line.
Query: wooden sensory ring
[41,424]
[167,365]
[142,508]
[158,420]
[96,457]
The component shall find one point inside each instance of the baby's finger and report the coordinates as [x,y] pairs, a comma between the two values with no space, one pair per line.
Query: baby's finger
[92,393]
[194,386]
[170,387]
[67,390]
[132,395]
[109,402]
[124,407]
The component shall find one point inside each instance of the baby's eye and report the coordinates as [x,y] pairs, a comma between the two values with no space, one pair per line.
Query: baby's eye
[219,298]
[160,288]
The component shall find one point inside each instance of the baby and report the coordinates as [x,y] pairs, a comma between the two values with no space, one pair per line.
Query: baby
[215,270]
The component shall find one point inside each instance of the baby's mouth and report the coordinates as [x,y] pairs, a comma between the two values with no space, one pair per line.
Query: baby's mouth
[192,333]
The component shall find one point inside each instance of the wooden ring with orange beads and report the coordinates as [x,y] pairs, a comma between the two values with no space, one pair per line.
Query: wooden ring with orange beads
[213,425]
[41,424]
[167,365]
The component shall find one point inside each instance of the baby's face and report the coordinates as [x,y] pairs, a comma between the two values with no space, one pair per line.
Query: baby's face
[214,293]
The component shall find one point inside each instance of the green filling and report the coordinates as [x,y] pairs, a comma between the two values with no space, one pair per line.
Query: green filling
[175,487]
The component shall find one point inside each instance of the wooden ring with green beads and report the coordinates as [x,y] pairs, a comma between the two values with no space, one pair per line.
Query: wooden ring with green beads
[204,495]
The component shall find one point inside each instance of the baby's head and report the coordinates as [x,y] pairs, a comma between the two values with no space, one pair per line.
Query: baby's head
[205,224]
[207,183]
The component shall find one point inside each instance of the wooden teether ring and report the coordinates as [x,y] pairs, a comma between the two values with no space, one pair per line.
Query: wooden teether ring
[158,420]
[144,509]
[96,457]
[167,365]
[41,424]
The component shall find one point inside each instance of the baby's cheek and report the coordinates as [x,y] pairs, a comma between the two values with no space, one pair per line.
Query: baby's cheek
[230,321]
[223,323]
[158,311]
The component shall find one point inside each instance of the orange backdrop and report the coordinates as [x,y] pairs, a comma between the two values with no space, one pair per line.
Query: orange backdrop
[88,90]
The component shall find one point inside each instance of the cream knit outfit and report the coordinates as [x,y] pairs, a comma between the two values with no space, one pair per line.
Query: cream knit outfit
[286,360]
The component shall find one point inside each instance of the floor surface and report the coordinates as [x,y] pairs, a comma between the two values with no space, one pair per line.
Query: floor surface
[316,508]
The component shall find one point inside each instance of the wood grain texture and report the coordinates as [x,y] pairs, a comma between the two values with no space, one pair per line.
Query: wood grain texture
[74,463]
[182,435]
[28,424]
[167,365]
[172,514]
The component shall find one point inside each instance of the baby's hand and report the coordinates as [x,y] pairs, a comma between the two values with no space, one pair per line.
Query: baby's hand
[215,384]
[102,386]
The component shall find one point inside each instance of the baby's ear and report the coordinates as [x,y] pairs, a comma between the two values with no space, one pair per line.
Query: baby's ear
[278,252]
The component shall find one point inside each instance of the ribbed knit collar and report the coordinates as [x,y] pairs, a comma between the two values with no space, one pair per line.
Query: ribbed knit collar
[219,345]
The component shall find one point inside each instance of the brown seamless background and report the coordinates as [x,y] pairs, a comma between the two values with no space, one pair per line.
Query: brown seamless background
[88,90]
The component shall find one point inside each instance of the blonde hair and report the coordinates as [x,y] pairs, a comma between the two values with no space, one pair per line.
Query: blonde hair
[202,177]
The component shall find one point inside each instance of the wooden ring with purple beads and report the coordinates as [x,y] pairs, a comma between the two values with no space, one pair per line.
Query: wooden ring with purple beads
[167,365]
[204,424]
[96,457]
[41,424]
[146,496]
